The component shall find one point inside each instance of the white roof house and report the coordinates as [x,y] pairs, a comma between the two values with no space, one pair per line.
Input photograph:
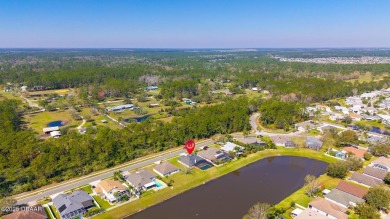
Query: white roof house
[55,134]
[229,146]
[47,130]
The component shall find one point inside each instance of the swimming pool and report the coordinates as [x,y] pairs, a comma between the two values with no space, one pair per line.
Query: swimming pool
[158,183]
[205,167]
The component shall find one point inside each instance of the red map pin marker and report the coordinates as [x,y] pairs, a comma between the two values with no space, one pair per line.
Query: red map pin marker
[190,146]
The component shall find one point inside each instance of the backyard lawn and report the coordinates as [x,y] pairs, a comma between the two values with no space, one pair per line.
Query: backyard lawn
[183,182]
[299,197]
[103,203]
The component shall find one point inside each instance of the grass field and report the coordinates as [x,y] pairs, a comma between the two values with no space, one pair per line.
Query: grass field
[368,77]
[184,182]
[55,212]
[46,92]
[103,203]
[40,120]
[47,210]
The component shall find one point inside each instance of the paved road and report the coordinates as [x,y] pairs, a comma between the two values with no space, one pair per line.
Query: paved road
[25,198]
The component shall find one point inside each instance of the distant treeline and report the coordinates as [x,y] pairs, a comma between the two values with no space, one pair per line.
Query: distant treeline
[27,163]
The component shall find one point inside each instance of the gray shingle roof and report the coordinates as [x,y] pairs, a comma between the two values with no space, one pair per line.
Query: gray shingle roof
[140,178]
[375,172]
[343,198]
[69,203]
[165,168]
[366,180]
[313,143]
[191,160]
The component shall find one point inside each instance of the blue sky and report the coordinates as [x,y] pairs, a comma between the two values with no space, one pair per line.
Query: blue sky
[194,23]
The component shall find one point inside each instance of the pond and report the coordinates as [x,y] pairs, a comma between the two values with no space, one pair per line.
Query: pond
[55,123]
[374,129]
[268,180]
[138,119]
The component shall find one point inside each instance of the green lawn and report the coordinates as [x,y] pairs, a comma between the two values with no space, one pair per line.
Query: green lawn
[103,203]
[184,182]
[47,210]
[87,189]
[40,120]
[301,198]
[54,210]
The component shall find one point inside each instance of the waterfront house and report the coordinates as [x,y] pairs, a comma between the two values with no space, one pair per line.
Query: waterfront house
[166,169]
[309,214]
[192,160]
[141,180]
[214,155]
[73,205]
[314,143]
[231,147]
[111,190]
[328,208]
[281,140]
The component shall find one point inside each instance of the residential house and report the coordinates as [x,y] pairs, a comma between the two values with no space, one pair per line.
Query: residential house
[111,190]
[342,198]
[309,213]
[251,141]
[375,139]
[355,117]
[346,194]
[55,134]
[368,95]
[281,140]
[231,147]
[47,130]
[352,189]
[365,179]
[359,153]
[192,160]
[305,126]
[336,117]
[375,172]
[382,163]
[120,108]
[166,169]
[73,205]
[370,117]
[150,88]
[30,212]
[314,143]
[214,155]
[141,180]
[328,208]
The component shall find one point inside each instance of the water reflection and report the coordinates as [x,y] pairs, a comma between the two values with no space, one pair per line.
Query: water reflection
[230,196]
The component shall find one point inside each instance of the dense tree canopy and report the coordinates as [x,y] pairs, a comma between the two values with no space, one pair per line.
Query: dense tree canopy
[26,163]
[281,114]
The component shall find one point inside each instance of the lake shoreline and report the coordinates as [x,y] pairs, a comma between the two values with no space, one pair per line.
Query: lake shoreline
[164,195]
